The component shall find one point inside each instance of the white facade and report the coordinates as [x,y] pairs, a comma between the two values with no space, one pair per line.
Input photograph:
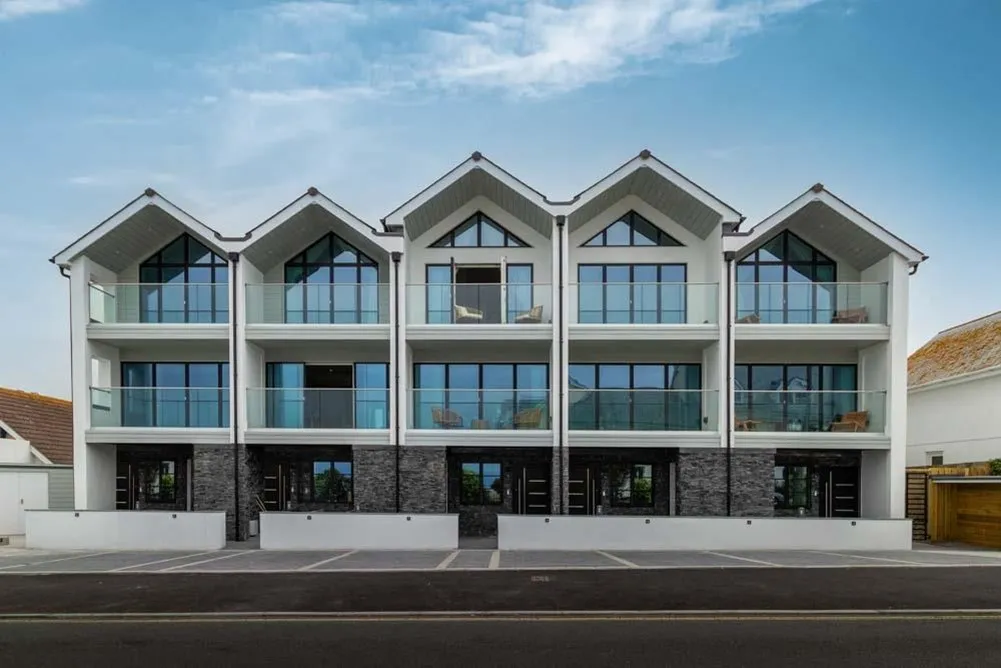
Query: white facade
[404,324]
[953,421]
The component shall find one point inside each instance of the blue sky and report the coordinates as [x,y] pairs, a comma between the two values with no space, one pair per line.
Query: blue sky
[232,108]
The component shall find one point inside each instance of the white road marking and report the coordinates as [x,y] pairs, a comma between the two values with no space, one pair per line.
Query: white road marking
[748,559]
[327,561]
[494,560]
[446,561]
[204,561]
[55,561]
[884,559]
[624,562]
[160,561]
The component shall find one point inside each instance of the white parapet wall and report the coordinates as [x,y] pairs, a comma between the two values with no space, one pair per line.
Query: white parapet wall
[358,531]
[520,532]
[124,530]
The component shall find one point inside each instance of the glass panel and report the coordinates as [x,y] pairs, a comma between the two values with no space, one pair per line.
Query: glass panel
[618,234]
[319,253]
[645,296]
[772,251]
[591,294]
[471,490]
[642,485]
[644,232]
[439,294]
[596,240]
[491,236]
[618,295]
[198,253]
[532,376]
[343,253]
[648,398]
[519,291]
[798,250]
[614,404]
[583,401]
[465,235]
[493,485]
[174,252]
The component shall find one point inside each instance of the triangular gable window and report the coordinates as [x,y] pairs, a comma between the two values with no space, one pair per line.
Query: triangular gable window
[478,231]
[632,229]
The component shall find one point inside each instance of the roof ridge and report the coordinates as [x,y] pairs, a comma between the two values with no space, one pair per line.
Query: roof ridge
[969,322]
[37,396]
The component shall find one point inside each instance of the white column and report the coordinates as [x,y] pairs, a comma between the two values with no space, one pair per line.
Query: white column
[399,360]
[896,395]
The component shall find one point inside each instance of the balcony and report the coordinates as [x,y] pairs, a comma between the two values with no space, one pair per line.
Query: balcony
[613,311]
[159,311]
[317,408]
[297,310]
[463,310]
[770,310]
[159,415]
[480,417]
[816,417]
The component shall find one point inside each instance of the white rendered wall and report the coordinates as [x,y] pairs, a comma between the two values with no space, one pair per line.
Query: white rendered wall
[125,530]
[896,395]
[875,492]
[699,533]
[358,531]
[959,419]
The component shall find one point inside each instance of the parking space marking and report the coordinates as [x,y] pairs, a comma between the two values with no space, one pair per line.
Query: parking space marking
[494,560]
[861,556]
[161,561]
[748,559]
[446,561]
[327,561]
[205,561]
[54,561]
[624,562]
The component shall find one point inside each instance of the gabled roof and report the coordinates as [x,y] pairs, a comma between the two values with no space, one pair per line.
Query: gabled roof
[47,422]
[155,215]
[474,175]
[824,214]
[255,248]
[661,186]
[969,348]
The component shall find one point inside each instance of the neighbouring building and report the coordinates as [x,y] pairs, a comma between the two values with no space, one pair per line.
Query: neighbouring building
[484,350]
[954,382]
[36,456]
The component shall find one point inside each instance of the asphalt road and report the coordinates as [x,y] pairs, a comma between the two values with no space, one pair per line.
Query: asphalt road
[591,590]
[527,644]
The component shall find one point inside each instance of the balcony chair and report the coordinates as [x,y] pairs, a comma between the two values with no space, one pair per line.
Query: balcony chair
[467,314]
[445,419]
[851,315]
[532,316]
[479,424]
[854,421]
[749,319]
[530,418]
[745,425]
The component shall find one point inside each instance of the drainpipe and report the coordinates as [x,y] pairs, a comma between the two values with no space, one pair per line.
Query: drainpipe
[62,270]
[396,257]
[234,394]
[729,257]
[560,222]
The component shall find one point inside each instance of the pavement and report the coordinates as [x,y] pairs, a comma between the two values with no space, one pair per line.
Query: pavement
[738,642]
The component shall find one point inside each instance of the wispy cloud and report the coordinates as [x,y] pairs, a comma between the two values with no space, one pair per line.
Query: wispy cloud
[15,9]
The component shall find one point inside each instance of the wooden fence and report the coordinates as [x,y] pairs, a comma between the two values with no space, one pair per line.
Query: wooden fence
[960,511]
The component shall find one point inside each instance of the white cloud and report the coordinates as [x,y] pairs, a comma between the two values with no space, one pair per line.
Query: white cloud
[310,11]
[13,9]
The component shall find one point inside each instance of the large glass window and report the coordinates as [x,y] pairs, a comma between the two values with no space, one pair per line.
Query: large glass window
[330,482]
[184,282]
[482,484]
[632,293]
[632,229]
[479,231]
[787,281]
[158,480]
[332,282]
[794,397]
[175,394]
[793,487]
[632,486]
[292,404]
[636,397]
[481,396]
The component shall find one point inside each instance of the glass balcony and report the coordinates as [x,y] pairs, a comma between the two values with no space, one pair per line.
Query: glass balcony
[845,411]
[643,410]
[480,409]
[318,303]
[811,303]
[317,408]
[164,303]
[159,407]
[644,303]
[479,304]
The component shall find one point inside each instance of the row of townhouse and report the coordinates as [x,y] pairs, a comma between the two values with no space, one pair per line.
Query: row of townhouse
[485,350]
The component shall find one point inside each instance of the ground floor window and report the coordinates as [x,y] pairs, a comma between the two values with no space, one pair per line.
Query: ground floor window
[327,482]
[158,481]
[792,487]
[632,486]
[482,484]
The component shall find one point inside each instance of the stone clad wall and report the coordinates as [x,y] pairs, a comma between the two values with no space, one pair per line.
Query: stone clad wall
[701,483]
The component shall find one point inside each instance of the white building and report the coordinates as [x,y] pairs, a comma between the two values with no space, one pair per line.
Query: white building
[954,386]
[486,350]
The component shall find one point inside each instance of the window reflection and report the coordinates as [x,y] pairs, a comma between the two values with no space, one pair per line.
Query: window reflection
[184,282]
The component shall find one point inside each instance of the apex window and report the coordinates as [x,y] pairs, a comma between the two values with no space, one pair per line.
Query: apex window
[184,282]
[632,229]
[332,282]
[479,231]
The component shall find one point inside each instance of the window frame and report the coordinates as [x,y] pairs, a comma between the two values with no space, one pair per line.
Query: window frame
[348,498]
[155,262]
[482,393]
[630,474]
[660,267]
[813,370]
[787,481]
[598,391]
[663,240]
[481,494]
[301,263]
[158,467]
[222,389]
[447,240]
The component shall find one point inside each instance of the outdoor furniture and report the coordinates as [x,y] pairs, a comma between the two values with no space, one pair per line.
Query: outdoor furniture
[745,425]
[479,424]
[528,418]
[749,319]
[532,316]
[445,418]
[467,314]
[851,315]
[854,421]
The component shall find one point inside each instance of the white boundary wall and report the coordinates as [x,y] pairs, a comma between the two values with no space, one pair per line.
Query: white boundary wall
[700,533]
[124,530]
[358,531]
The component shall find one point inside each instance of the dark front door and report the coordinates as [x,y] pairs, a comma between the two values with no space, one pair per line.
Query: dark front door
[276,496]
[531,489]
[125,489]
[584,489]
[839,491]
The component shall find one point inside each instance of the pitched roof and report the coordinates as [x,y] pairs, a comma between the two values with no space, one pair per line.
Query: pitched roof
[967,348]
[45,421]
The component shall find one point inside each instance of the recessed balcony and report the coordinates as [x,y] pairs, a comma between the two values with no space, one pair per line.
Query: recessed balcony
[317,311]
[613,311]
[147,311]
[159,415]
[304,414]
[811,310]
[816,417]
[479,310]
[480,416]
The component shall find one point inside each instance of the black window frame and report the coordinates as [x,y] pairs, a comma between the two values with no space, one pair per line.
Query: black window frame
[619,472]
[165,494]
[663,240]
[155,262]
[788,482]
[604,266]
[310,475]
[812,369]
[481,495]
[301,263]
[222,400]
[479,219]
